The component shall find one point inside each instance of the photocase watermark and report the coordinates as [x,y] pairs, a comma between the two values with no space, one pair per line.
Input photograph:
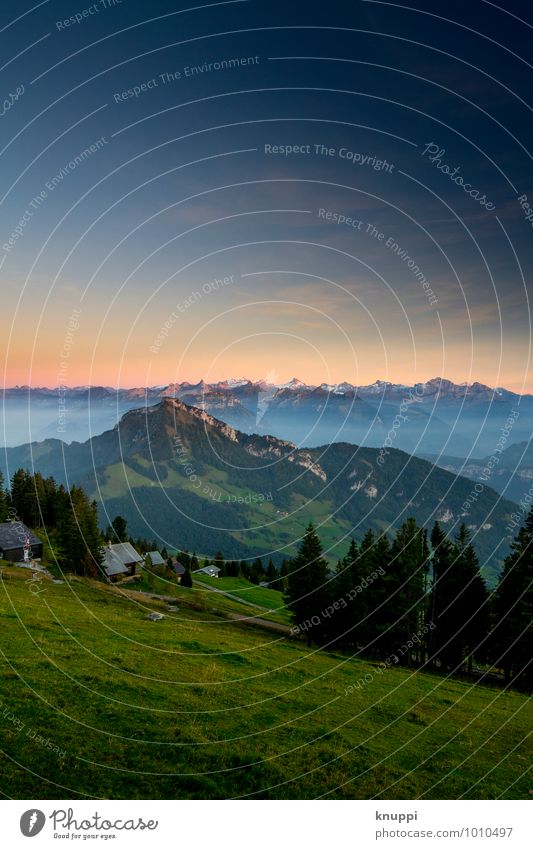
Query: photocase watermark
[88,12]
[11,99]
[32,822]
[525,504]
[66,825]
[339,219]
[493,461]
[402,254]
[249,498]
[71,329]
[525,206]
[183,306]
[414,641]
[210,491]
[185,73]
[340,604]
[74,163]
[369,229]
[415,394]
[10,718]
[38,200]
[435,155]
[312,149]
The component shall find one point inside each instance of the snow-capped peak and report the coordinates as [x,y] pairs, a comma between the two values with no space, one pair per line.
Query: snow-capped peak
[236,381]
[294,383]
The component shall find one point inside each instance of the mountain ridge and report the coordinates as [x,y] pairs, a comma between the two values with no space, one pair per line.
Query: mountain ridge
[441,384]
[425,418]
[182,476]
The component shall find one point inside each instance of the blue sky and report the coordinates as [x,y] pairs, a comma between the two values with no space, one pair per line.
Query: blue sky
[184,189]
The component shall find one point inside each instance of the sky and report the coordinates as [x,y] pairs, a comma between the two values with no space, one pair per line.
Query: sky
[333,191]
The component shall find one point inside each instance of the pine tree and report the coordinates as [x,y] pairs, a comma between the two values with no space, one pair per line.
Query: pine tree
[513,630]
[442,591]
[150,575]
[220,564]
[232,569]
[23,498]
[405,587]
[307,594]
[283,575]
[184,558]
[80,544]
[347,616]
[271,572]
[3,501]
[458,601]
[119,528]
[375,556]
[471,607]
[256,571]
[186,579]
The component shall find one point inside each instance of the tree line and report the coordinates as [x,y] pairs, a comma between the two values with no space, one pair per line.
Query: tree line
[383,595]
[422,601]
[68,515]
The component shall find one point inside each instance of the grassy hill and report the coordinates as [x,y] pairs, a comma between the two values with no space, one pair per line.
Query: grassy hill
[232,596]
[199,706]
[269,600]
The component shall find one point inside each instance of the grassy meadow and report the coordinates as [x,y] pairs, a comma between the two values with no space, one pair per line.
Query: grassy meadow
[97,701]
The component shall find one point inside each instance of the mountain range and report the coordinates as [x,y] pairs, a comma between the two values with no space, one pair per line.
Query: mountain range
[192,481]
[511,475]
[431,418]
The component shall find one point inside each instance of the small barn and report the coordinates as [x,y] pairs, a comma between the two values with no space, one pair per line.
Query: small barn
[155,558]
[14,537]
[210,571]
[178,569]
[120,560]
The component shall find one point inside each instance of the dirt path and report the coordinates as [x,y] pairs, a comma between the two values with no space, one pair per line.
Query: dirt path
[233,597]
[256,621]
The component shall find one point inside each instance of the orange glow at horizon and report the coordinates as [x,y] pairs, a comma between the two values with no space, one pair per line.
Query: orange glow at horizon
[135,374]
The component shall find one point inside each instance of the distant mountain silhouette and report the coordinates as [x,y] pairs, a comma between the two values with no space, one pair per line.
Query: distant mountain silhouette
[178,473]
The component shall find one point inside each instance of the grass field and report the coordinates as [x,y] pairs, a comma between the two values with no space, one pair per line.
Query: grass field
[97,701]
[202,599]
[271,600]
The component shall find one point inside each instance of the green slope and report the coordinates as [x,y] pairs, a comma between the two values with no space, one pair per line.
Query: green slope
[196,706]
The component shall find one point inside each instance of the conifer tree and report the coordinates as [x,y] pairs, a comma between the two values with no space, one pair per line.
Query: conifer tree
[219,563]
[186,578]
[271,572]
[458,602]
[3,501]
[513,633]
[23,498]
[405,587]
[80,544]
[471,607]
[442,626]
[347,617]
[375,555]
[185,559]
[307,595]
[119,528]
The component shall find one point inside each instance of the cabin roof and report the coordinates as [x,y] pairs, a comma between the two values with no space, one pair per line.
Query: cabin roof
[14,534]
